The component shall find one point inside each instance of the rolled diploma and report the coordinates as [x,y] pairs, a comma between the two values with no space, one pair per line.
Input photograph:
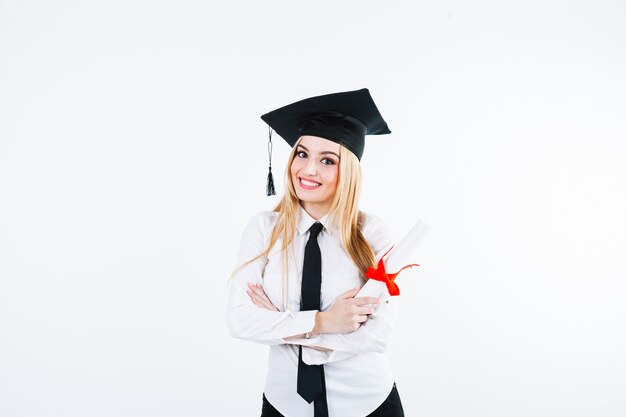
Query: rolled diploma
[402,254]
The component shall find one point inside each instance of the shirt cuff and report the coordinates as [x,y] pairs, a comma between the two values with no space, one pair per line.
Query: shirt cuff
[303,322]
[312,356]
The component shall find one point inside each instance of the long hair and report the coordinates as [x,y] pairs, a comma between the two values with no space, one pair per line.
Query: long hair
[344,212]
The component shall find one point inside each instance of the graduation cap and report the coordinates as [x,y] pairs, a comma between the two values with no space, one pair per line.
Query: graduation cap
[344,118]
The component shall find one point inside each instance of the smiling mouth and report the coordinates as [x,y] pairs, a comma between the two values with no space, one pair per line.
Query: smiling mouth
[308,184]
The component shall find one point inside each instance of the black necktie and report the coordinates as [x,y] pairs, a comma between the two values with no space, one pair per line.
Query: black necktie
[311,384]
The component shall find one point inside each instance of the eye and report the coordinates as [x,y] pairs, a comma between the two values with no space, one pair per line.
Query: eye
[328,161]
[301,154]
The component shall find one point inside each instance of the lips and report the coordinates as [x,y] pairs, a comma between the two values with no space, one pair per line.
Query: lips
[308,184]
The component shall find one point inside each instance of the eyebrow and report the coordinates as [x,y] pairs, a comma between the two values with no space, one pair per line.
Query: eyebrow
[323,153]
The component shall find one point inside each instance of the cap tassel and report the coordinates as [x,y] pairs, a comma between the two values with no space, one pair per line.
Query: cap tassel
[269,189]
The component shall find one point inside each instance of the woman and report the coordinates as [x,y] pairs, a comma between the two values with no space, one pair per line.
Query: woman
[302,264]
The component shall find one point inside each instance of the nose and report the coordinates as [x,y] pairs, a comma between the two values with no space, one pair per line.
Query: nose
[311,168]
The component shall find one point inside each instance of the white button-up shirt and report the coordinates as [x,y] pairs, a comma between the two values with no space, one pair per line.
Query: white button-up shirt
[357,371]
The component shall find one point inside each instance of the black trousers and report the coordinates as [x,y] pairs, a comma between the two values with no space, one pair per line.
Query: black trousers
[391,407]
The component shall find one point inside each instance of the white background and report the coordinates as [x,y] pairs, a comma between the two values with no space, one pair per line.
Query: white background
[132,155]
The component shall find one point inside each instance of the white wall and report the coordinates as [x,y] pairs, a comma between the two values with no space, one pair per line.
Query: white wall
[132,155]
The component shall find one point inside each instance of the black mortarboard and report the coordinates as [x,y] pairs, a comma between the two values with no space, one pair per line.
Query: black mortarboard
[344,118]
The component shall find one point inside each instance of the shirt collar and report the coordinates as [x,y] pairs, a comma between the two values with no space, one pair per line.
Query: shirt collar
[305,221]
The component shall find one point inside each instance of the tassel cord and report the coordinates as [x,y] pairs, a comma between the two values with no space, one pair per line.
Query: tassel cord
[269,188]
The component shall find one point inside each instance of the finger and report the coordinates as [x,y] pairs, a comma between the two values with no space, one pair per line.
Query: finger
[261,303]
[350,293]
[361,318]
[366,300]
[255,297]
[259,297]
[252,286]
[266,306]
[266,301]
[365,310]
[258,289]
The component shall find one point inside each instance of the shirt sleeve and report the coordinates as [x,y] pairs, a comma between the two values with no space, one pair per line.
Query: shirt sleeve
[372,336]
[244,319]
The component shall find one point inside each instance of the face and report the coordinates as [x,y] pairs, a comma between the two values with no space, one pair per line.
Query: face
[314,173]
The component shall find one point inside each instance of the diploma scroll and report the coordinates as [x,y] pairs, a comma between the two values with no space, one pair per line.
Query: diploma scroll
[398,258]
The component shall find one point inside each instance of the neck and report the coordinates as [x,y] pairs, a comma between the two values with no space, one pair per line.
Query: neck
[317,211]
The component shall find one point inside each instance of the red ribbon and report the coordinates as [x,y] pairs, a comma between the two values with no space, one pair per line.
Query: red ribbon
[379,274]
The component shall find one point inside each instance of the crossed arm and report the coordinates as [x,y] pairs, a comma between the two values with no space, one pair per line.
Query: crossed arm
[351,326]
[345,316]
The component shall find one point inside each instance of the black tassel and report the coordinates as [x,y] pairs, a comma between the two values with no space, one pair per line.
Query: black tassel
[269,189]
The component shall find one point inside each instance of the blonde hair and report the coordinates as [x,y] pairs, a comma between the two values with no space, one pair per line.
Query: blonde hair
[343,211]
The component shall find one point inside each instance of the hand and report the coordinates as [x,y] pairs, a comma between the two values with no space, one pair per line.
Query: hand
[346,315]
[259,298]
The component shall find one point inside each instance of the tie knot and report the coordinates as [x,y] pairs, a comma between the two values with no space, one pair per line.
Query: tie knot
[315,230]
